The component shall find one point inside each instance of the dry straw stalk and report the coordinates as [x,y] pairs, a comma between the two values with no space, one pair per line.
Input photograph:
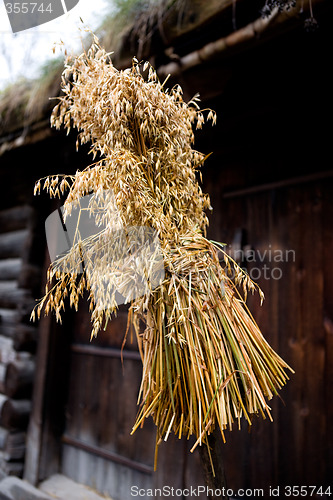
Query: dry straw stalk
[205,361]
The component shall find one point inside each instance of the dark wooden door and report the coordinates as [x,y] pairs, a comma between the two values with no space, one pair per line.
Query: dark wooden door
[101,409]
[90,408]
[100,412]
[283,234]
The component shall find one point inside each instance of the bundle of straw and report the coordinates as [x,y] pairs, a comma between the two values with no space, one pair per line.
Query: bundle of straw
[205,361]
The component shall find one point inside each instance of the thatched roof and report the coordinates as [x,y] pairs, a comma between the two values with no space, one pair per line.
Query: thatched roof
[175,35]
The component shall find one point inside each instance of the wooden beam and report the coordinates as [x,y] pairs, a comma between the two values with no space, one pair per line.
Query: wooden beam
[16,218]
[15,414]
[35,430]
[44,445]
[279,184]
[8,321]
[3,399]
[29,277]
[14,445]
[10,269]
[108,455]
[25,338]
[10,468]
[22,136]
[2,382]
[13,243]
[212,466]
[3,436]
[255,32]
[7,352]
[19,378]
[108,352]
[216,48]
[10,295]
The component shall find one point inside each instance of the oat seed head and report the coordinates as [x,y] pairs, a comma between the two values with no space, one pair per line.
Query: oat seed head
[205,361]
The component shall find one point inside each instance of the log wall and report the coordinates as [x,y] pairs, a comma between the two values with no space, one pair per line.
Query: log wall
[23,254]
[271,189]
[17,337]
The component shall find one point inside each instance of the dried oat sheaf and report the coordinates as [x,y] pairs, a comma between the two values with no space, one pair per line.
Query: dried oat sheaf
[205,361]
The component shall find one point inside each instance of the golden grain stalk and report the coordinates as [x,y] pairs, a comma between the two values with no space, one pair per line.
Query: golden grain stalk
[205,361]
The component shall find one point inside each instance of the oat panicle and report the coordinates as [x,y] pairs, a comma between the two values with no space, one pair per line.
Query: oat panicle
[205,361]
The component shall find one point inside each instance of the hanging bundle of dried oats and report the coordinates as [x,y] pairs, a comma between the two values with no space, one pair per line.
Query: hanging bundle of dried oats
[205,361]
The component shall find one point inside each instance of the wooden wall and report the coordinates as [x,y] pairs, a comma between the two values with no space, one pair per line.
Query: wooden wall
[100,413]
[286,240]
[271,188]
[22,254]
[18,276]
